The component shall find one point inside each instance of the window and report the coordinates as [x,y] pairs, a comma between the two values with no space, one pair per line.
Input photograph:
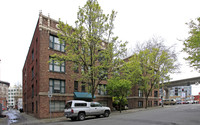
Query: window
[32,91]
[76,68]
[75,86]
[68,105]
[82,68]
[140,104]
[176,91]
[102,89]
[140,93]
[57,106]
[36,107]
[32,107]
[155,93]
[55,66]
[83,87]
[55,44]
[57,86]
[32,55]
[95,104]
[155,103]
[100,55]
[103,74]
[80,104]
[32,72]
[36,44]
[36,88]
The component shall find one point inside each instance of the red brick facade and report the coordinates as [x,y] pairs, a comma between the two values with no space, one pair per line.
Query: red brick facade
[36,74]
[134,99]
[197,98]
[3,102]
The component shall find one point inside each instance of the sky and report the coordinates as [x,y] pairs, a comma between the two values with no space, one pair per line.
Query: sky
[136,22]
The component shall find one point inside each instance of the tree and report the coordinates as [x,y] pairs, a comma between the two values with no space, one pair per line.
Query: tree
[119,89]
[192,44]
[91,44]
[153,62]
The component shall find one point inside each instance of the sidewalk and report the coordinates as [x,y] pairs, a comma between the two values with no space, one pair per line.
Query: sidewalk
[28,119]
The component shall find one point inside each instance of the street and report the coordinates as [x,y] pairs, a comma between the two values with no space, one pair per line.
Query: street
[173,115]
[187,114]
[13,116]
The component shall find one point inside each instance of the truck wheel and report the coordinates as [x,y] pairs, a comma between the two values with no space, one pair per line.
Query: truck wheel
[106,114]
[81,116]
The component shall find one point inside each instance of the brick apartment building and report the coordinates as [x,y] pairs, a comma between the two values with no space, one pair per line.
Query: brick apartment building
[39,76]
[137,97]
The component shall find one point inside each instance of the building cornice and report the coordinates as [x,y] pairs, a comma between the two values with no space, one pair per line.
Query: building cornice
[42,27]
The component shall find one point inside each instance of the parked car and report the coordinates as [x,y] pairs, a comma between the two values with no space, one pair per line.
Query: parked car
[185,102]
[169,102]
[189,102]
[179,102]
[195,102]
[78,110]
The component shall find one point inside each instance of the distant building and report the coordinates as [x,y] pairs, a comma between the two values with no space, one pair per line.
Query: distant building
[197,97]
[4,93]
[180,93]
[15,95]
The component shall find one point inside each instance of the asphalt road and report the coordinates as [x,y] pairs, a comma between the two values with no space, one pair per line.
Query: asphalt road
[13,116]
[188,114]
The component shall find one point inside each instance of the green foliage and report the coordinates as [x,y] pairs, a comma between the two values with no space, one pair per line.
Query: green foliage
[119,89]
[150,66]
[91,44]
[116,101]
[192,44]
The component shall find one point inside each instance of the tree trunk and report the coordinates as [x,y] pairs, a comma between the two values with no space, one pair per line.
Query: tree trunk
[146,102]
[120,107]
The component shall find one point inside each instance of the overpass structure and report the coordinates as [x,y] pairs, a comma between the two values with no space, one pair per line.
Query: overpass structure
[182,82]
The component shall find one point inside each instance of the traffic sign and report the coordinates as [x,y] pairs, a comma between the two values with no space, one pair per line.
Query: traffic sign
[49,94]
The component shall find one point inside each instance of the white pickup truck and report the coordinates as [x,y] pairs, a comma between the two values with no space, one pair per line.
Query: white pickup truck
[78,110]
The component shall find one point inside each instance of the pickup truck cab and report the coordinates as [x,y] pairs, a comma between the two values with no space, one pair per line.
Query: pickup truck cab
[78,110]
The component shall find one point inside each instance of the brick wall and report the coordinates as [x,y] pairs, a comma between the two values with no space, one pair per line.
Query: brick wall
[39,103]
